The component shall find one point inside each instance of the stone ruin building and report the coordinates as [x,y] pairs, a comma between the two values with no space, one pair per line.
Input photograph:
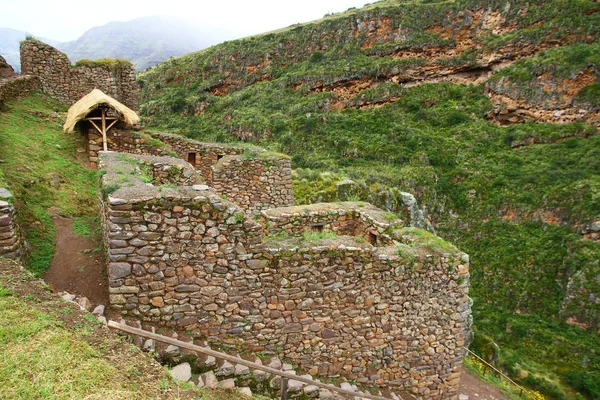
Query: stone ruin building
[69,83]
[335,288]
[206,238]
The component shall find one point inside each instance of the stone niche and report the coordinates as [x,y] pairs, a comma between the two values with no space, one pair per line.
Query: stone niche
[393,313]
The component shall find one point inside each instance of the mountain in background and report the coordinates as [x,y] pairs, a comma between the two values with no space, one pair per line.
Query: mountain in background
[9,45]
[144,41]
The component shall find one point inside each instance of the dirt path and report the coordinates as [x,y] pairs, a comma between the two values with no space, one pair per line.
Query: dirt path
[77,267]
[472,388]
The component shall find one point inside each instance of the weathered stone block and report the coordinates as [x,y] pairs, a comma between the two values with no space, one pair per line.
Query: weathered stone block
[119,269]
[187,288]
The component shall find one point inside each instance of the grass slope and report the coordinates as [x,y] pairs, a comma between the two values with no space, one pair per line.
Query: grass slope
[515,210]
[40,169]
[51,349]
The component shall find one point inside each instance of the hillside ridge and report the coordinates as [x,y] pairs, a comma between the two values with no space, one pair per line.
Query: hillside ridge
[486,111]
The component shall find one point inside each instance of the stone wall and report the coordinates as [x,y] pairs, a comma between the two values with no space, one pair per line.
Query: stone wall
[348,218]
[203,156]
[185,257]
[69,83]
[255,183]
[11,242]
[366,313]
[250,177]
[124,142]
[21,86]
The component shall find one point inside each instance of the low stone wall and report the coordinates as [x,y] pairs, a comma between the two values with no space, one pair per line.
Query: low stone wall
[11,243]
[185,257]
[124,142]
[203,156]
[256,183]
[69,83]
[252,178]
[21,86]
[348,218]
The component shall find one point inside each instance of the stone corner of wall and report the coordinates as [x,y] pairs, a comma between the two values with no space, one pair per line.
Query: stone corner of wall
[12,244]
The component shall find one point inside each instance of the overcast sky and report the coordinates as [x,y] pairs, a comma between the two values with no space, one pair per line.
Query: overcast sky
[66,20]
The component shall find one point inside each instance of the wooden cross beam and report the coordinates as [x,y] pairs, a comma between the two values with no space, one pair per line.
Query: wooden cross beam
[103,128]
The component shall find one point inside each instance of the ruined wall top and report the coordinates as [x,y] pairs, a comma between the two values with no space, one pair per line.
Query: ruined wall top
[68,83]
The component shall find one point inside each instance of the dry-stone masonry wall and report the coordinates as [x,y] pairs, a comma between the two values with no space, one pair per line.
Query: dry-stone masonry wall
[255,183]
[124,142]
[185,257]
[250,177]
[13,88]
[69,83]
[203,156]
[11,243]
[348,218]
[367,313]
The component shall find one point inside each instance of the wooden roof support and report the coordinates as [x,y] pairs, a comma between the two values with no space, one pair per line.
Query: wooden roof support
[103,128]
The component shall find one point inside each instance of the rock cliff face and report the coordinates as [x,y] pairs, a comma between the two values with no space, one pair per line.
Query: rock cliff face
[558,86]
[388,44]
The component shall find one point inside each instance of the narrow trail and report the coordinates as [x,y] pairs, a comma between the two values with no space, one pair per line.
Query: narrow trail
[78,266]
[473,388]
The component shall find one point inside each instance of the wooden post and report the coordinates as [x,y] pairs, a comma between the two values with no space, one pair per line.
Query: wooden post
[104,144]
[235,360]
[284,386]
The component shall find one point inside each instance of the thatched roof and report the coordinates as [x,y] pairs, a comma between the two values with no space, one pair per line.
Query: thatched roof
[91,101]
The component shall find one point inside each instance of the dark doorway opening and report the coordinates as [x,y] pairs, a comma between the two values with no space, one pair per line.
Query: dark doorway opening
[192,158]
[371,237]
[317,227]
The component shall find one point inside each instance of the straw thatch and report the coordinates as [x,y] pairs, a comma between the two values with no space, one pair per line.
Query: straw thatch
[91,101]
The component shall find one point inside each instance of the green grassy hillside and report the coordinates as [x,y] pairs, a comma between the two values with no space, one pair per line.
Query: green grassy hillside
[52,350]
[362,95]
[40,168]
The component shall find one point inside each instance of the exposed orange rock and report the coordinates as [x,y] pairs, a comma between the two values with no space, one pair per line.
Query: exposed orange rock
[377,29]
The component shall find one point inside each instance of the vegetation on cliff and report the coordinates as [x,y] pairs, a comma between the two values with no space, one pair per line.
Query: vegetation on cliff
[362,95]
